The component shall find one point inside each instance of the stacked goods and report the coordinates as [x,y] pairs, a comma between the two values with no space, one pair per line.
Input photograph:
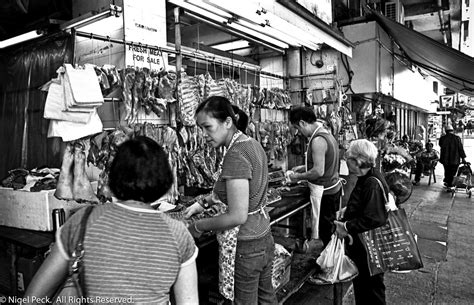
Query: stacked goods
[281,267]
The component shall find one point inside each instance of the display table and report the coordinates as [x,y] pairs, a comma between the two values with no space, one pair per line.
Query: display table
[23,257]
[302,264]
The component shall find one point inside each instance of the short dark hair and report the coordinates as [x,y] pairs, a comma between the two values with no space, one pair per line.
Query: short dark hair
[220,108]
[140,171]
[300,113]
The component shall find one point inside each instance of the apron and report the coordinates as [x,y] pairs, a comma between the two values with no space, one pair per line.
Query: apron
[227,241]
[316,195]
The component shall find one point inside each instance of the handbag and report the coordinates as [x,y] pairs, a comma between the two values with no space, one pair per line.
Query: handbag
[391,247]
[71,291]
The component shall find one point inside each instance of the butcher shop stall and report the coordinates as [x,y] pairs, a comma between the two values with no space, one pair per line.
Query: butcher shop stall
[72,95]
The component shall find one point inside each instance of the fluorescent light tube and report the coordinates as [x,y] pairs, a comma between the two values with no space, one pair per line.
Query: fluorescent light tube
[233,45]
[209,8]
[20,38]
[224,22]
[235,32]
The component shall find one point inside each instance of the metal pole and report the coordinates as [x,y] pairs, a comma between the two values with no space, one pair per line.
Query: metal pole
[174,111]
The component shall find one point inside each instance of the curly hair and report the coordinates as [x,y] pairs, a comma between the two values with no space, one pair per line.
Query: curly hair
[140,171]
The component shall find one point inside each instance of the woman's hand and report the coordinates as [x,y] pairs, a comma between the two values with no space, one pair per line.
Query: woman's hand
[340,230]
[193,209]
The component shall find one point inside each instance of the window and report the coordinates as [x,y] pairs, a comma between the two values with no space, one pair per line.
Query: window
[466,29]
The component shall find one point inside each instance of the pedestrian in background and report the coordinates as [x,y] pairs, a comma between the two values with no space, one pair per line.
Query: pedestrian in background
[469,127]
[451,153]
[243,230]
[365,211]
[132,251]
[425,161]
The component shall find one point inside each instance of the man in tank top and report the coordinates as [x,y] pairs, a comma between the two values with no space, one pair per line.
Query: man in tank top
[321,170]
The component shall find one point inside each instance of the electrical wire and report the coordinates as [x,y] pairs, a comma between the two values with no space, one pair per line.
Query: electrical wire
[350,73]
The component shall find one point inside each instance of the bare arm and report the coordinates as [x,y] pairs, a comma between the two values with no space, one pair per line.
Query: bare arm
[318,148]
[238,205]
[50,275]
[185,288]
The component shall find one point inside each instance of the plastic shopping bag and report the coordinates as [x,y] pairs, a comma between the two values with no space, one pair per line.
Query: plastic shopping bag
[335,265]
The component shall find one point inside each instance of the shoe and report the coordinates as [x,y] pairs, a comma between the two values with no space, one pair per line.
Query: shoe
[317,281]
[416,182]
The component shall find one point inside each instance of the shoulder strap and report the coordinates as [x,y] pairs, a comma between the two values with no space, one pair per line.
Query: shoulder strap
[84,219]
[381,186]
[79,251]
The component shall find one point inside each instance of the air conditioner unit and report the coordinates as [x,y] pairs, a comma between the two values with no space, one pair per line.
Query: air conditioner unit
[394,10]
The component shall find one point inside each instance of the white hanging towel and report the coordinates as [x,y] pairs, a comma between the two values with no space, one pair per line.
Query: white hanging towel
[84,86]
[70,131]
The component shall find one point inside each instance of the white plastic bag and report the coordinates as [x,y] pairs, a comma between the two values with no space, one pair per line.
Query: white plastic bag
[335,265]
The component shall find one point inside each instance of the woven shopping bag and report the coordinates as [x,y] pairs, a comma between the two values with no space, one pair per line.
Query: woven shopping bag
[392,247]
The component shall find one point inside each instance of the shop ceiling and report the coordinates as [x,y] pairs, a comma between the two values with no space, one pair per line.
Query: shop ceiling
[198,31]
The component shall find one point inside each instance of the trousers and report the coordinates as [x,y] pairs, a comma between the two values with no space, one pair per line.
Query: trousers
[253,272]
[449,172]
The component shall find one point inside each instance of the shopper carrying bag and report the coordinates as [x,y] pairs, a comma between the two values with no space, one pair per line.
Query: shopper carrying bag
[365,211]
[132,253]
[72,288]
[391,247]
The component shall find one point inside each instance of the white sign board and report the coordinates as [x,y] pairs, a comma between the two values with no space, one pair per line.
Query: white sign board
[145,24]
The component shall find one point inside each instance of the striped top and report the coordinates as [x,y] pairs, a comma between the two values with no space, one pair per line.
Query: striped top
[129,252]
[246,159]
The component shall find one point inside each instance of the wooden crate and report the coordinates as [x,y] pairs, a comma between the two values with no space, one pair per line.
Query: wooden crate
[32,210]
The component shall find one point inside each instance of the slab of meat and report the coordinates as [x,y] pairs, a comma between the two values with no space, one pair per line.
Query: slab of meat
[81,187]
[65,181]
[128,76]
[188,95]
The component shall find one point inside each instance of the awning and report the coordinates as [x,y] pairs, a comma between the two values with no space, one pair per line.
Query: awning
[248,19]
[452,68]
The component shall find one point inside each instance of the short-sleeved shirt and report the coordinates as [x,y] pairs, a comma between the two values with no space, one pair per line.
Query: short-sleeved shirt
[130,252]
[246,159]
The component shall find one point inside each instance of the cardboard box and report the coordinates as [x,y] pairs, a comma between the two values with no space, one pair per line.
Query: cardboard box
[32,210]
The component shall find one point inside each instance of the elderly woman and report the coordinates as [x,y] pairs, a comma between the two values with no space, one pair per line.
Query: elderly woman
[365,211]
[132,251]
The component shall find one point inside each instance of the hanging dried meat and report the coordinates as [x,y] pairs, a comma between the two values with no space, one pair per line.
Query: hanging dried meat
[128,79]
[167,86]
[189,99]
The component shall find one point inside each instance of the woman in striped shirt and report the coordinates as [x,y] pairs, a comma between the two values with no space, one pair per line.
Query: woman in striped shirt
[133,253]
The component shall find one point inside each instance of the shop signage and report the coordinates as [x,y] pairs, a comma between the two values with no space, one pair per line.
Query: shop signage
[447,101]
[145,24]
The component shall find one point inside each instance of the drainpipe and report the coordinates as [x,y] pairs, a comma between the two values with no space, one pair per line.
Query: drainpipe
[441,22]
[302,72]
[392,76]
